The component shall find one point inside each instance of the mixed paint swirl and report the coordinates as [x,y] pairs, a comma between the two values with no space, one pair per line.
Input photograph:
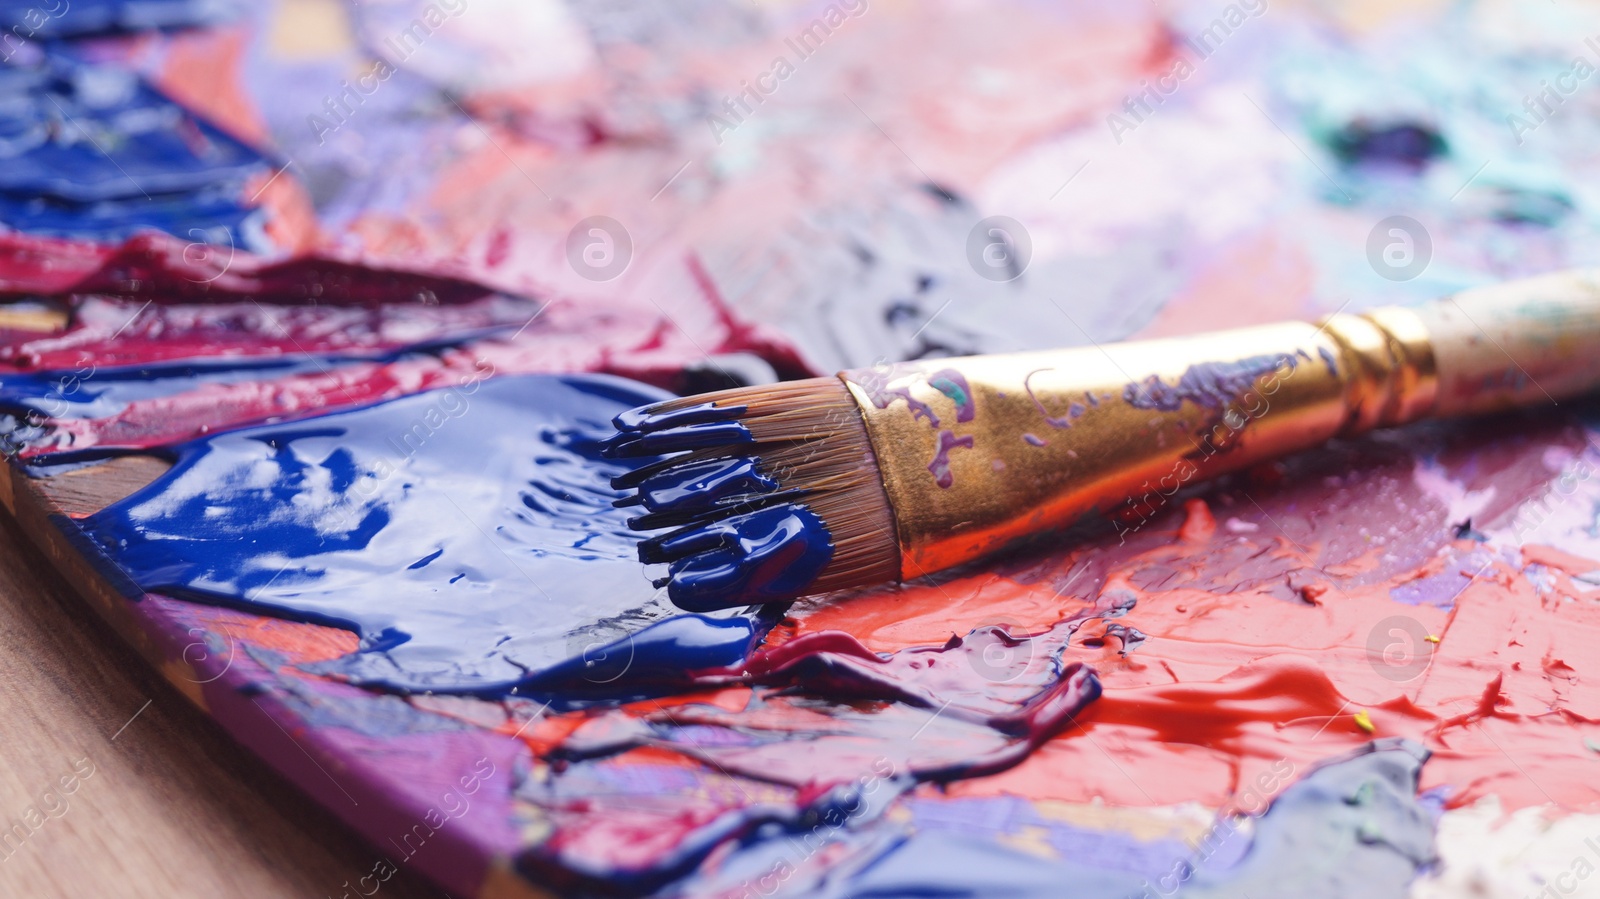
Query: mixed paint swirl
[380,380]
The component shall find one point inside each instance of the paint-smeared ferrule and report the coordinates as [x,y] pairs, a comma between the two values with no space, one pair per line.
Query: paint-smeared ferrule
[978,452]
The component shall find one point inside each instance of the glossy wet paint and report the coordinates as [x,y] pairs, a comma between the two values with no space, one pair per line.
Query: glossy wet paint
[1204,216]
[466,535]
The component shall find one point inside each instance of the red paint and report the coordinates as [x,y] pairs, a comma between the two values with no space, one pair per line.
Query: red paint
[1198,525]
[1258,651]
[253,308]
[165,269]
[105,331]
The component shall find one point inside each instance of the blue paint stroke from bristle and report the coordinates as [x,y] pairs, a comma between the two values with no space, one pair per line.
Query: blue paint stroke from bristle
[653,418]
[633,444]
[763,556]
[466,535]
[693,490]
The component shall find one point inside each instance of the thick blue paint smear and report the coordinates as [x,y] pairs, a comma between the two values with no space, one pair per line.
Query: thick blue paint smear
[769,555]
[209,217]
[466,535]
[42,19]
[91,151]
[697,488]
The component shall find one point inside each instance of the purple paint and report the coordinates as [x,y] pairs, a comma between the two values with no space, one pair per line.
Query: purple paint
[940,466]
[1211,385]
[1329,361]
[1058,422]
[953,384]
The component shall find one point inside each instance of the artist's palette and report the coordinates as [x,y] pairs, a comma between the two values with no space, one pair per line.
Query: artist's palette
[305,372]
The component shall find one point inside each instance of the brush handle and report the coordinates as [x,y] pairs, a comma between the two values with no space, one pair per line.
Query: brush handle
[1522,343]
[980,451]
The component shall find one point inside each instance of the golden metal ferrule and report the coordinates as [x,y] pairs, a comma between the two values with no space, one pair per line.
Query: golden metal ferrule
[976,452]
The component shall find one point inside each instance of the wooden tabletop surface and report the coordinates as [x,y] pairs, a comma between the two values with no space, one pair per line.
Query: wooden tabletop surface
[113,784]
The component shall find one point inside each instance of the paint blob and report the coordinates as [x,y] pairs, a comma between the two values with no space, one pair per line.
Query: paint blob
[447,529]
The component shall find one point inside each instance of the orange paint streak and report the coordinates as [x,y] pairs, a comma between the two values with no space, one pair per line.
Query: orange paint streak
[300,643]
[894,619]
[552,729]
[200,71]
[546,733]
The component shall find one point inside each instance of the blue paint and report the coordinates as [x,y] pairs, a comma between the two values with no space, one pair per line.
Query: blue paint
[213,216]
[763,556]
[94,152]
[466,535]
[46,19]
[741,538]
[653,418]
[697,490]
[1329,361]
[1403,144]
[633,444]
[1352,826]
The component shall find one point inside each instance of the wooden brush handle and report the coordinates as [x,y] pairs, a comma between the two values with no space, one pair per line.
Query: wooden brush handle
[1523,343]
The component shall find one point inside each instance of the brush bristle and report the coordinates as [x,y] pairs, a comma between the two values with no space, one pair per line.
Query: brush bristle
[774,493]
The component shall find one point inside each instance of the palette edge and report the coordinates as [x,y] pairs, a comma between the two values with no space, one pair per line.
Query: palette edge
[255,723]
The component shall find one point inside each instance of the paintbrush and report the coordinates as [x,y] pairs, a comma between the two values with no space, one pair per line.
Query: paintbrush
[898,471]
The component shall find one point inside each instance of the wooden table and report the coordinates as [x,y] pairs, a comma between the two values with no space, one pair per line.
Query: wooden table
[171,806]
